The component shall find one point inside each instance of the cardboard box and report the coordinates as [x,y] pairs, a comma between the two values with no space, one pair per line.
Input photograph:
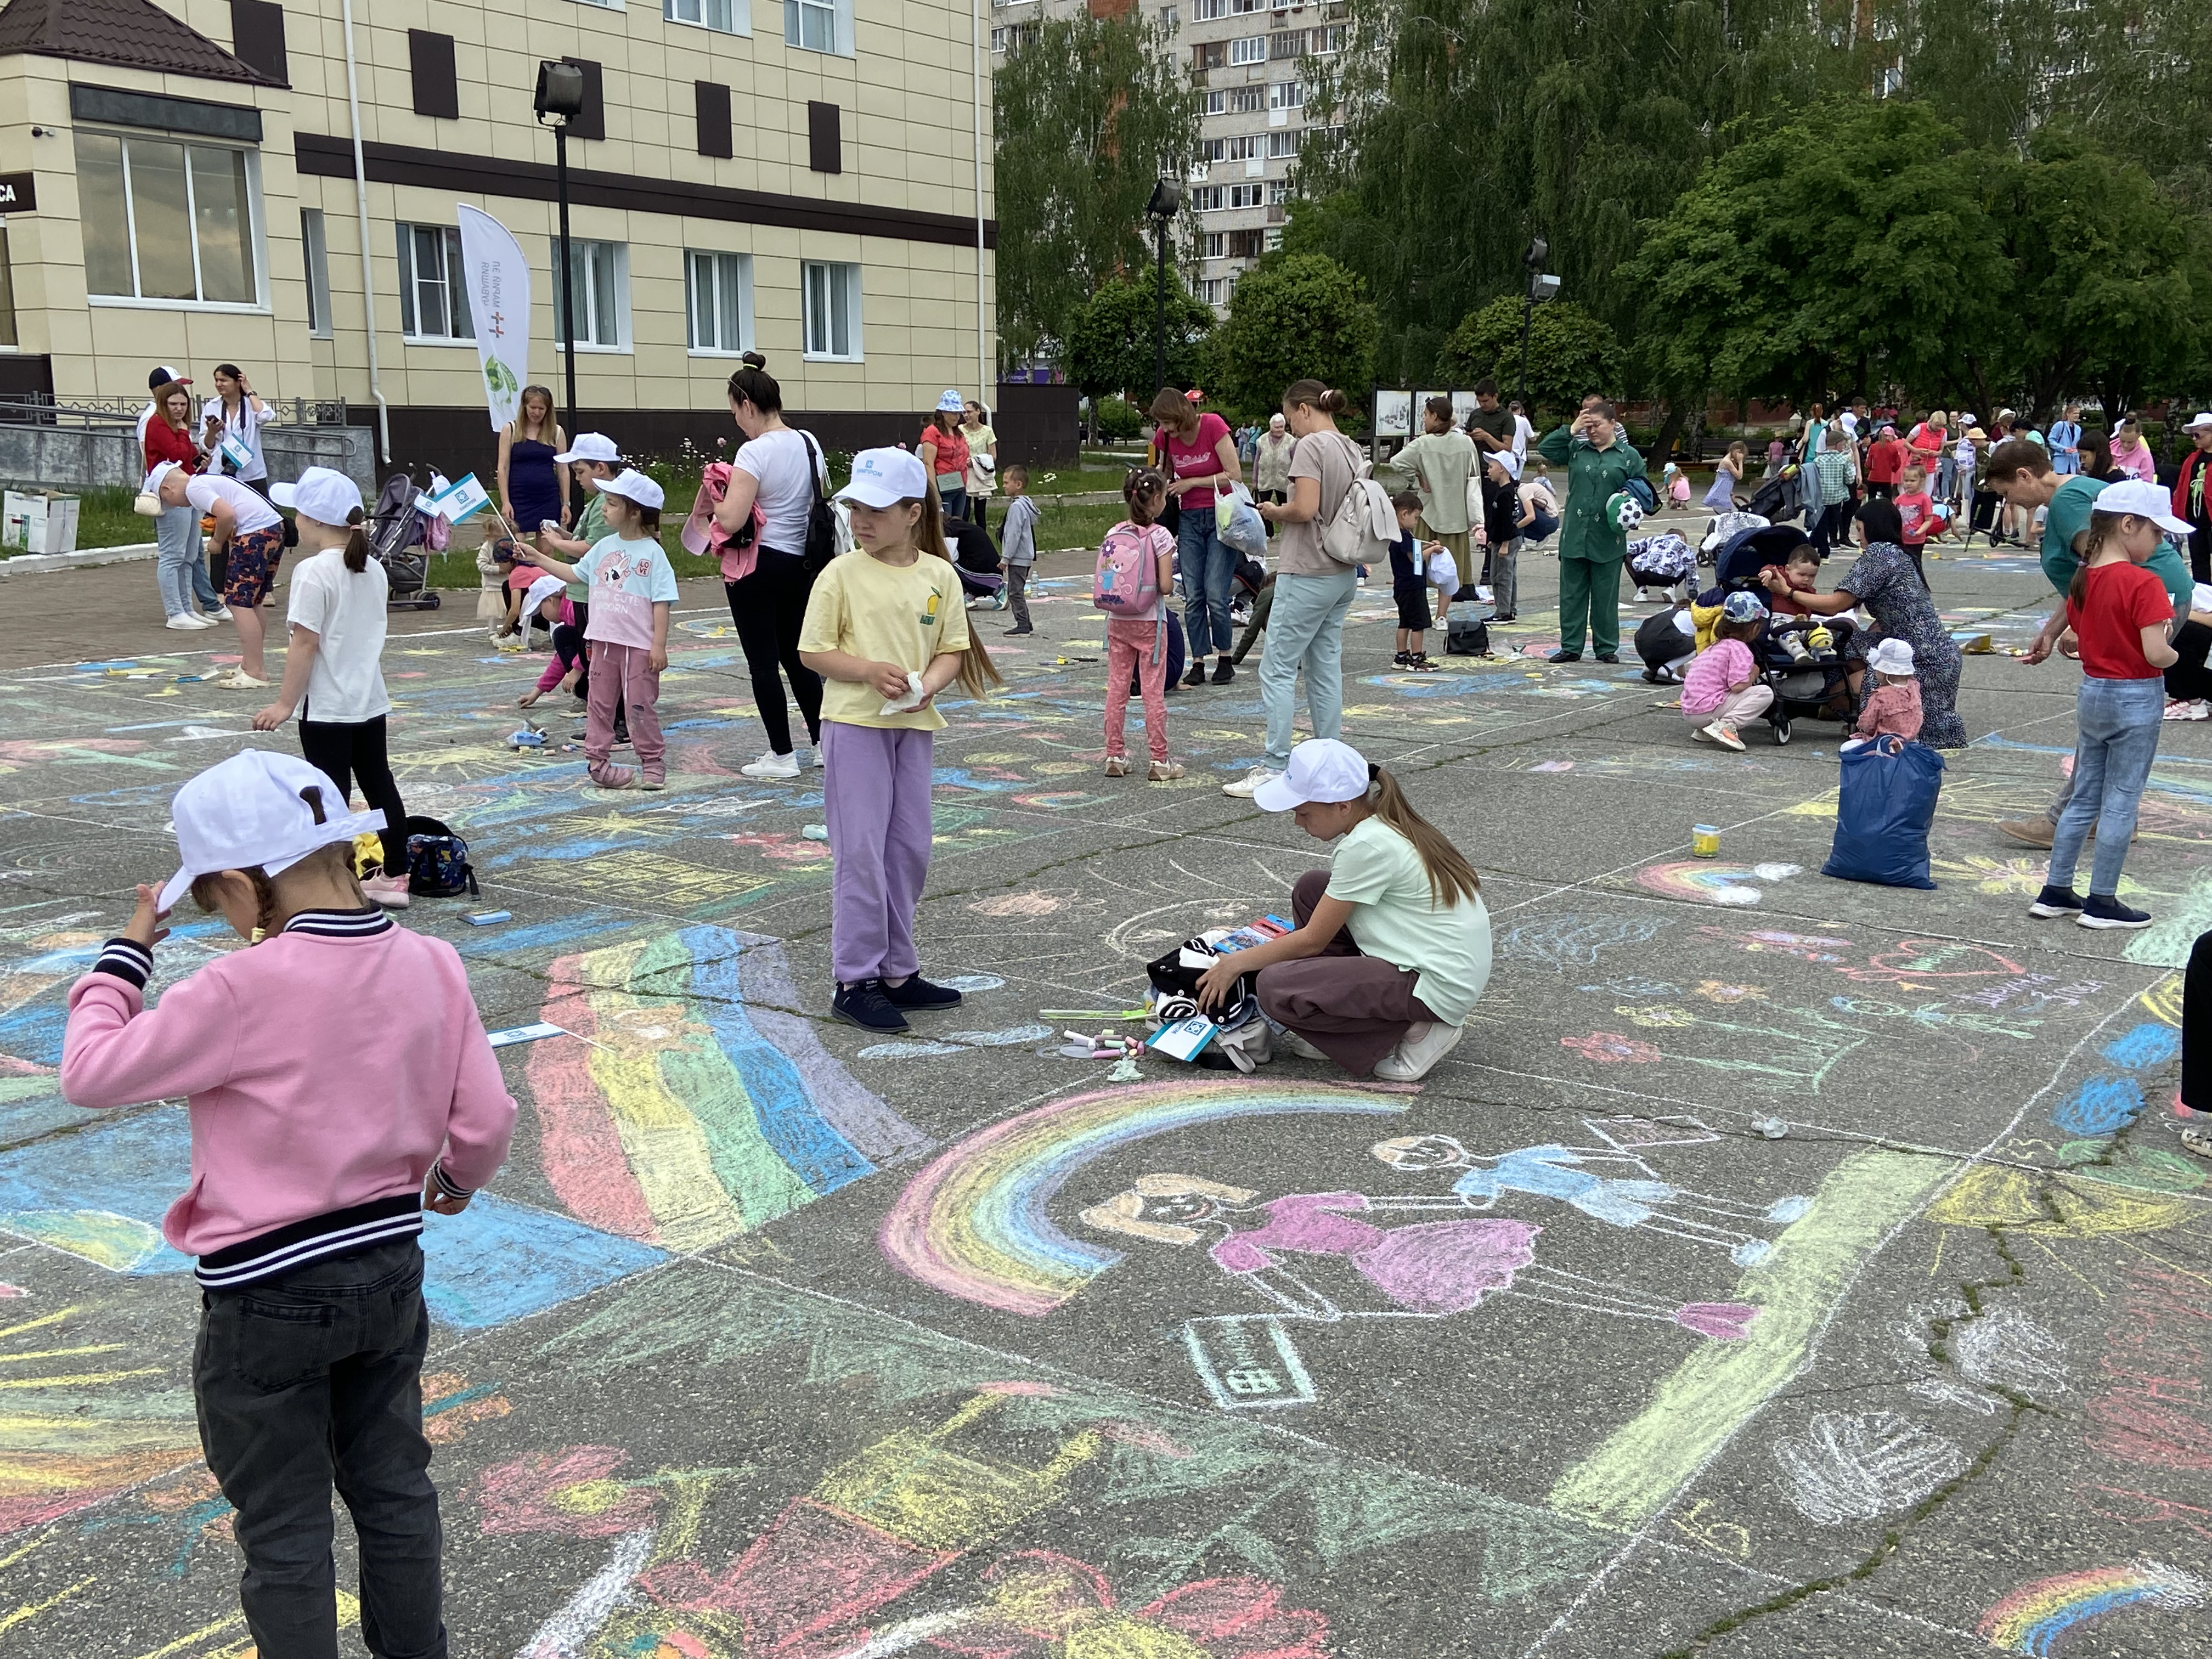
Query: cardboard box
[38,521]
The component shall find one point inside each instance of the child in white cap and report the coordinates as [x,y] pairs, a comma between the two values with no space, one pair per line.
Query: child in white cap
[633,589]
[317,1142]
[333,671]
[1392,946]
[886,630]
[1892,704]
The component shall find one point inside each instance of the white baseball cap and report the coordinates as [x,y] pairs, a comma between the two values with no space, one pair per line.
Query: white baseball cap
[2202,421]
[632,485]
[161,470]
[1506,459]
[590,446]
[252,810]
[2145,501]
[951,403]
[983,464]
[1322,768]
[324,495]
[884,478]
[542,589]
[1891,656]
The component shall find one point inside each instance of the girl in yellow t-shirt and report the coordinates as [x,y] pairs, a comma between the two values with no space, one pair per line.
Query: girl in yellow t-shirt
[886,630]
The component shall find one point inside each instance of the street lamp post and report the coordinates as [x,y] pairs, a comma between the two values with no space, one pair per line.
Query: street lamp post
[1166,202]
[1540,289]
[559,100]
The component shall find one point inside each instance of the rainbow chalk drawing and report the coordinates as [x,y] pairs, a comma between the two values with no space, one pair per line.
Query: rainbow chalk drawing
[974,1224]
[2037,1617]
[1714,883]
[696,1112]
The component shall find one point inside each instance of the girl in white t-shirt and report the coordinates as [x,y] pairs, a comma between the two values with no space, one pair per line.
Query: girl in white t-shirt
[333,675]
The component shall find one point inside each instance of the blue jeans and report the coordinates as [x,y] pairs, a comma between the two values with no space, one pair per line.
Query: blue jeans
[1209,570]
[952,503]
[177,534]
[2119,722]
[1305,630]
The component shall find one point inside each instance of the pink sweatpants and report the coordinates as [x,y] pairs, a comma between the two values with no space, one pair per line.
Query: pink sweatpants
[623,674]
[1129,651]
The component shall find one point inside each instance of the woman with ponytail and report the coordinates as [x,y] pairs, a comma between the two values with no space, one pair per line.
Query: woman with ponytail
[886,630]
[1392,947]
[332,673]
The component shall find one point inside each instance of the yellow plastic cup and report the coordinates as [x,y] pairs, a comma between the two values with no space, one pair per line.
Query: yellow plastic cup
[1704,840]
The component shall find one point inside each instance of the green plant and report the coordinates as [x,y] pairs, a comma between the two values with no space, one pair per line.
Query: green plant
[1117,418]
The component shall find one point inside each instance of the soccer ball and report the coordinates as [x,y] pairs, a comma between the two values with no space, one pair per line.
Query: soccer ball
[1624,511]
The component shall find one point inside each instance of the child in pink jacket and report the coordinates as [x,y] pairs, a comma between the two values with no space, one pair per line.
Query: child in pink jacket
[318,1140]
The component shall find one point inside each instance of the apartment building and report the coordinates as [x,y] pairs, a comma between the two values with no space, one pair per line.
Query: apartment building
[812,180]
[1243,59]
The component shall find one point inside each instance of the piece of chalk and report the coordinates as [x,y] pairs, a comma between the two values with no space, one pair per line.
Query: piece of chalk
[485,918]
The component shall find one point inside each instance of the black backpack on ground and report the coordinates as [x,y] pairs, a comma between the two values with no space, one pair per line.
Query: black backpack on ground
[1466,637]
[437,860]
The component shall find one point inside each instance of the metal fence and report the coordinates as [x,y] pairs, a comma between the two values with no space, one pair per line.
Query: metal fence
[43,409]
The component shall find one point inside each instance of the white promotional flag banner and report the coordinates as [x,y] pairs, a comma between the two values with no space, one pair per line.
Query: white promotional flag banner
[498,280]
[459,499]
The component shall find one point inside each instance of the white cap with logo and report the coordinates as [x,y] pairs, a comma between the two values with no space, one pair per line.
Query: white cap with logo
[1323,769]
[590,446]
[2144,501]
[324,495]
[253,809]
[884,478]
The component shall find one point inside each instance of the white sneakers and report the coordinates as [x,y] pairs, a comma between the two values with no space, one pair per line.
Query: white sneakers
[220,613]
[1721,733]
[1418,1053]
[773,768]
[1293,1043]
[1245,786]
[185,623]
[2188,708]
[235,678]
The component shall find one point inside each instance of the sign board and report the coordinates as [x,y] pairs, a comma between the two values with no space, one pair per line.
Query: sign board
[1394,414]
[19,192]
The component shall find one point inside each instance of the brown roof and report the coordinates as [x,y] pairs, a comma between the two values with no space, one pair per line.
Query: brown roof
[127,34]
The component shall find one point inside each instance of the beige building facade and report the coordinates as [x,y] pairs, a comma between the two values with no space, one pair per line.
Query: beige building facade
[801,179]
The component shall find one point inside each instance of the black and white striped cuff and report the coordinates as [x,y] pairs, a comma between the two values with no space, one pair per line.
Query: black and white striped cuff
[127,959]
[447,1187]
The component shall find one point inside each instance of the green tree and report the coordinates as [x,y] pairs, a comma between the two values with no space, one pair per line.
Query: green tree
[1088,113]
[1847,249]
[1571,353]
[1111,342]
[1291,316]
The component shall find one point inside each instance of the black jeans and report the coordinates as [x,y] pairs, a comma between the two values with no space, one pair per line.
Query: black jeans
[2197,1027]
[1833,525]
[768,606]
[352,750]
[2188,678]
[311,1380]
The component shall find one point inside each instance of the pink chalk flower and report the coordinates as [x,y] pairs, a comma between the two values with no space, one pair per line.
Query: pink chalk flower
[1611,1049]
[572,1493]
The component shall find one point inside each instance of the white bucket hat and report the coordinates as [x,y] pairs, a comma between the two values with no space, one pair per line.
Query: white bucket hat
[951,403]
[1891,656]
[252,810]
[1320,768]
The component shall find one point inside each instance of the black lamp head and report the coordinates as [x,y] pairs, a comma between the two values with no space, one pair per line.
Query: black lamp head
[560,91]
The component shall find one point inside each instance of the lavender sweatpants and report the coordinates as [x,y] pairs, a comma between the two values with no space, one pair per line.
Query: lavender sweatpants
[875,795]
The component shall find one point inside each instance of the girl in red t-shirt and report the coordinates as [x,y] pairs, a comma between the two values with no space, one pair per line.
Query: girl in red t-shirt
[944,451]
[2120,615]
[1198,454]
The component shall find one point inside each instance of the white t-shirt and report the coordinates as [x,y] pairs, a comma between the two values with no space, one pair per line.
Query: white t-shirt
[205,489]
[1522,432]
[778,461]
[345,609]
[247,427]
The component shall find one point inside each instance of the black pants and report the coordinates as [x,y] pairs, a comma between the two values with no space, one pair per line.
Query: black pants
[308,1380]
[2197,1027]
[2189,677]
[1834,524]
[353,750]
[768,606]
[1017,580]
[2200,550]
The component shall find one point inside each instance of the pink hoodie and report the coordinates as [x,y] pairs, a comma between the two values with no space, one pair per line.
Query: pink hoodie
[313,1121]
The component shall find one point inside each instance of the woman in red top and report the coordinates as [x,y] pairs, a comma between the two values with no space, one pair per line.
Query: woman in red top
[1886,458]
[1199,453]
[2121,616]
[176,530]
[944,455]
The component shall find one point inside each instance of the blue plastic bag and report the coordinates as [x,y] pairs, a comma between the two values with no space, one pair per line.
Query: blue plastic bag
[1884,812]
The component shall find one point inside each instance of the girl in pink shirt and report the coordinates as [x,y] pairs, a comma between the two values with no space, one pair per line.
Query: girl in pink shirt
[318,1140]
[1722,690]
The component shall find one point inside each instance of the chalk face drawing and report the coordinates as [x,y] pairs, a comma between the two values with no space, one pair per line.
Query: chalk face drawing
[2038,1616]
[974,1222]
[1846,1468]
[696,1112]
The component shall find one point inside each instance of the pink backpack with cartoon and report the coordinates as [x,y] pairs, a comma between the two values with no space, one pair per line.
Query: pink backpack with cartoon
[1126,584]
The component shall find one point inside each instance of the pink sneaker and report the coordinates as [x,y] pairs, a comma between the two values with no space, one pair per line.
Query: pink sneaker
[650,779]
[390,892]
[614,777]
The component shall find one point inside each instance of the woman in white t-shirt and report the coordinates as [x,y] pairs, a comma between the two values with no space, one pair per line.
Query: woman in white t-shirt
[332,673]
[236,411]
[782,469]
[1392,948]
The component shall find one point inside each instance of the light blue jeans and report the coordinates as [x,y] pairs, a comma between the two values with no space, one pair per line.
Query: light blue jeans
[177,534]
[1305,630]
[1209,569]
[2119,722]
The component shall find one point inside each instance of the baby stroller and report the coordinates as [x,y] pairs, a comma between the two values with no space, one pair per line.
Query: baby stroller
[398,534]
[1779,498]
[1662,561]
[1816,690]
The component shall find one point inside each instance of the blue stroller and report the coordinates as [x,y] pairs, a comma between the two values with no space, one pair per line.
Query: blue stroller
[1814,690]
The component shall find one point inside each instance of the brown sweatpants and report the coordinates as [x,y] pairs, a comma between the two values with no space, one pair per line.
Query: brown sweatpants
[1354,1011]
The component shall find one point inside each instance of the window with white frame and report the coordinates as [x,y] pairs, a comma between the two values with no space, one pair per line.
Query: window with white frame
[1287,94]
[1244,196]
[1216,103]
[998,41]
[1279,192]
[1206,199]
[830,296]
[1214,243]
[434,303]
[1241,8]
[723,16]
[314,256]
[1244,101]
[1245,147]
[1329,41]
[1169,18]
[1282,142]
[1210,290]
[1253,49]
[168,220]
[1204,11]
[600,289]
[1291,43]
[718,297]
[818,26]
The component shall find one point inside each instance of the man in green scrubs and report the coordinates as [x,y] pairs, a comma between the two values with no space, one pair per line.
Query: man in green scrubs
[1599,464]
